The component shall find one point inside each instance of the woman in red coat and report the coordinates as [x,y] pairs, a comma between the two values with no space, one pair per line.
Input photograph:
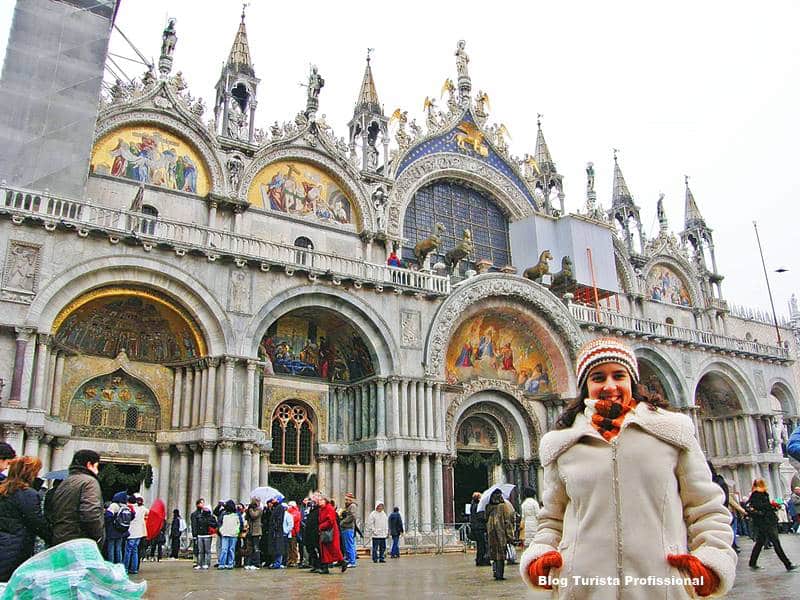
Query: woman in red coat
[330,552]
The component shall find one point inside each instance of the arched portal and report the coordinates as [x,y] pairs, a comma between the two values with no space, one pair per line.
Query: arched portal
[718,402]
[293,458]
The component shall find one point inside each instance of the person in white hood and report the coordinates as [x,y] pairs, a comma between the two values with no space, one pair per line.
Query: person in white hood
[378,529]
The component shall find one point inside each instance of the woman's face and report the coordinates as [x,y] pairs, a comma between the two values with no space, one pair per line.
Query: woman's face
[610,381]
[323,502]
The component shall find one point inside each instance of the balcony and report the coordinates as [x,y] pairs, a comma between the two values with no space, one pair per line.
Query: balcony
[85,217]
[617,323]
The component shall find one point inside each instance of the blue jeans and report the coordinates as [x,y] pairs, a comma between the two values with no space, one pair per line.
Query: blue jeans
[349,537]
[131,560]
[114,551]
[378,548]
[226,552]
[395,551]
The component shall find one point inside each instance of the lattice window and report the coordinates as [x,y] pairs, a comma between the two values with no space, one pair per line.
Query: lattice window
[292,435]
[457,207]
[96,415]
[132,418]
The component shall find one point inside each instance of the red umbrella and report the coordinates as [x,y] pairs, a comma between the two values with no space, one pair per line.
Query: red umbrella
[155,519]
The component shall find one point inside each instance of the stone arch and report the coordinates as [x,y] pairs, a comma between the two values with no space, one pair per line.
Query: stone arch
[563,330]
[681,268]
[675,389]
[342,172]
[95,273]
[733,377]
[782,390]
[458,167]
[519,424]
[362,317]
[189,131]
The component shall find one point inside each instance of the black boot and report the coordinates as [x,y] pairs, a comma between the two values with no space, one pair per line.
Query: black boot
[494,569]
[500,570]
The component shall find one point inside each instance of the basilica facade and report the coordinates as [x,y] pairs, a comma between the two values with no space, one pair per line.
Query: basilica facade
[394,313]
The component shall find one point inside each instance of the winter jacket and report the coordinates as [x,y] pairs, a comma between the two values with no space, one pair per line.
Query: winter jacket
[763,514]
[378,524]
[530,516]
[253,516]
[201,521]
[500,525]
[288,523]
[77,508]
[349,516]
[395,524]
[138,528]
[477,520]
[175,527]
[275,530]
[331,552]
[21,520]
[296,517]
[311,531]
[615,510]
[112,531]
[231,524]
[793,446]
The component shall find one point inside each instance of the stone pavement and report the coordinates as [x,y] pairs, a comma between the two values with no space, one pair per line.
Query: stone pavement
[415,577]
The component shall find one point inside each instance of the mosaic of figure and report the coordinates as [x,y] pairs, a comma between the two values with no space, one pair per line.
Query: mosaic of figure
[301,190]
[146,330]
[498,345]
[150,156]
[665,286]
[116,401]
[325,348]
[476,433]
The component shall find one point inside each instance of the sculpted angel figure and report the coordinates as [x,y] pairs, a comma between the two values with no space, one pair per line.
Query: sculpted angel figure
[431,120]
[315,83]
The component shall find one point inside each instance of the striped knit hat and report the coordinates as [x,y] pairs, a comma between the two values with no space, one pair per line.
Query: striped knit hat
[602,351]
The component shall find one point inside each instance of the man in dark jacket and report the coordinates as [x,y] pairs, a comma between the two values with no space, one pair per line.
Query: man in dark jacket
[203,521]
[77,507]
[395,530]
[311,535]
[276,535]
[116,529]
[477,524]
[7,454]
[175,534]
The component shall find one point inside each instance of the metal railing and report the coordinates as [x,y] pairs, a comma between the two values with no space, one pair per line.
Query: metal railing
[647,328]
[85,217]
[427,538]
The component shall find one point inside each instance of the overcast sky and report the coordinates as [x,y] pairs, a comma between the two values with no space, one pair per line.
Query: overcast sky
[709,89]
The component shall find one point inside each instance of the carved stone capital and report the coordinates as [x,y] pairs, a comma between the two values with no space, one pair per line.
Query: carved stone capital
[230,362]
[225,445]
[252,364]
[379,455]
[24,333]
[162,448]
[35,432]
[212,361]
[44,339]
[207,445]
[247,447]
[59,442]
[182,449]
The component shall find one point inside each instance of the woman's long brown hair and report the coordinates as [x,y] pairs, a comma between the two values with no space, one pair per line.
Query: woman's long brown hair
[21,473]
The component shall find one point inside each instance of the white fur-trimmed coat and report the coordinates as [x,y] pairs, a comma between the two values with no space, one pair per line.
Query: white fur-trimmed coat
[615,510]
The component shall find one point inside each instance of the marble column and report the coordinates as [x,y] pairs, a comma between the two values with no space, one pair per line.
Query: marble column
[246,473]
[349,423]
[425,491]
[440,411]
[57,462]
[255,471]
[366,413]
[380,484]
[413,494]
[322,475]
[404,431]
[44,452]
[421,409]
[380,412]
[183,502]
[398,465]
[333,414]
[227,393]
[196,468]
[357,431]
[211,392]
[58,379]
[23,337]
[395,407]
[42,358]
[263,467]
[438,491]
[360,459]
[48,384]
[429,422]
[448,491]
[207,460]
[351,475]
[186,403]
[369,485]
[336,481]
[203,393]
[163,472]
[412,409]
[250,415]
[388,485]
[32,437]
[177,388]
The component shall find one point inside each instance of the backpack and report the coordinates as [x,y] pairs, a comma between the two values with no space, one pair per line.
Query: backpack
[123,518]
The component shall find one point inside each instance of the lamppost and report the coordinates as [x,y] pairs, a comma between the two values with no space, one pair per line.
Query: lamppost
[769,290]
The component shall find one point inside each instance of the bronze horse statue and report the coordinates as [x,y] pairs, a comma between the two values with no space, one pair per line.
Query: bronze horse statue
[429,244]
[537,271]
[462,249]
[566,275]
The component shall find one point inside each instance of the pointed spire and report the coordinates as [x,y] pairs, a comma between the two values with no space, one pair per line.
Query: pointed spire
[368,96]
[240,51]
[693,216]
[620,194]
[542,155]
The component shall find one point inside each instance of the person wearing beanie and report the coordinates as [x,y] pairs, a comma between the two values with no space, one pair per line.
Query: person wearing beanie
[348,526]
[630,510]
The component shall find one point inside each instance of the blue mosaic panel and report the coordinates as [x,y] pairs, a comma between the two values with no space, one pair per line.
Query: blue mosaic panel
[447,143]
[457,208]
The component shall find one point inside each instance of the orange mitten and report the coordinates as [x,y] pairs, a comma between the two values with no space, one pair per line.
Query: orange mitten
[696,570]
[542,565]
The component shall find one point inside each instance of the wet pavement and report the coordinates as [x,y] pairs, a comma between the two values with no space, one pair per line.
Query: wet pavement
[411,577]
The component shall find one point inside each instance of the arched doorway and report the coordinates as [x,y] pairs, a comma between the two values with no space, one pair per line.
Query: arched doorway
[478,457]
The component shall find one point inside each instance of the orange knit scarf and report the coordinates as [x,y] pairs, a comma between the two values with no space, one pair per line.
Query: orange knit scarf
[607,416]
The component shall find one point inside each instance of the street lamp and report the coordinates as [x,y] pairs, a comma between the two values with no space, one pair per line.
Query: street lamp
[769,290]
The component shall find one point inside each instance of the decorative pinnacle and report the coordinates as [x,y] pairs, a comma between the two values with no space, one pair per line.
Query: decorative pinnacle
[244,7]
[539,120]
[369,52]
[615,150]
